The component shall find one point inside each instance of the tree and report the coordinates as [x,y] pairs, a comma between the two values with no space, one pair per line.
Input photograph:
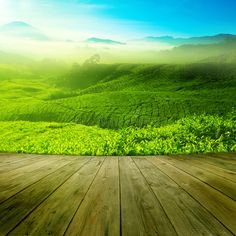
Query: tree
[93,60]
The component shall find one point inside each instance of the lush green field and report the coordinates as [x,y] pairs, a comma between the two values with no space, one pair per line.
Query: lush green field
[190,135]
[121,109]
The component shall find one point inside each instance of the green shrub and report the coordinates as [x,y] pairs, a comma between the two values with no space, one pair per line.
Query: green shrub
[196,134]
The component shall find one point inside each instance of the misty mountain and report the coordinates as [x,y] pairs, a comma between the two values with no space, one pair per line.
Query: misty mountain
[224,52]
[23,30]
[104,41]
[219,38]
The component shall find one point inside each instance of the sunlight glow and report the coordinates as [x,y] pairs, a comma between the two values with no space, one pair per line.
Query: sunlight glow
[4,11]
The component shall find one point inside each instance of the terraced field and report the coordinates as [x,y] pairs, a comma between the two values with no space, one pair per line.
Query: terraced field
[156,95]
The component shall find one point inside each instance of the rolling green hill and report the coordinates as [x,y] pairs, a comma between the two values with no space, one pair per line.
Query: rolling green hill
[120,96]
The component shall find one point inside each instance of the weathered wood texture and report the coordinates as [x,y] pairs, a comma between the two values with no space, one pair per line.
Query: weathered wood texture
[163,195]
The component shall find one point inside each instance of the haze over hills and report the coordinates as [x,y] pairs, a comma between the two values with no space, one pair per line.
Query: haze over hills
[21,38]
[214,52]
[12,58]
[23,30]
[224,52]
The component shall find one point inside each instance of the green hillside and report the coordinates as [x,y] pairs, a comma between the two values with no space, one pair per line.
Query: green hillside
[130,95]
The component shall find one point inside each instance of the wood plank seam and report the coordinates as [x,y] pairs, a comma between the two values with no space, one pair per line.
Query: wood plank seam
[206,169]
[198,163]
[47,196]
[16,168]
[193,197]
[57,210]
[142,214]
[34,182]
[166,161]
[220,156]
[120,198]
[16,161]
[217,162]
[83,197]
[167,171]
[186,214]
[149,187]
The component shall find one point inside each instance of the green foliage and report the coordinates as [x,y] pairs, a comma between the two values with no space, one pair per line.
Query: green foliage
[195,134]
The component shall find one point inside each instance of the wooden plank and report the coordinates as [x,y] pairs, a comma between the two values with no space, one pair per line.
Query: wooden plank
[217,162]
[32,163]
[99,213]
[15,209]
[142,213]
[9,159]
[187,216]
[226,174]
[230,154]
[221,206]
[12,158]
[219,157]
[54,215]
[227,157]
[225,186]
[24,162]
[17,180]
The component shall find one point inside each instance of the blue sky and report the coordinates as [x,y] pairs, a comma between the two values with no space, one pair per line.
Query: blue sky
[124,18]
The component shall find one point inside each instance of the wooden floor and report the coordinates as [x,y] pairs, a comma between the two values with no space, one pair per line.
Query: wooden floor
[59,195]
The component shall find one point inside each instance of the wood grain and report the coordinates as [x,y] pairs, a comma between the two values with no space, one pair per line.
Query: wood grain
[227,187]
[111,196]
[14,181]
[222,163]
[221,206]
[53,216]
[142,213]
[210,167]
[99,213]
[186,214]
[15,209]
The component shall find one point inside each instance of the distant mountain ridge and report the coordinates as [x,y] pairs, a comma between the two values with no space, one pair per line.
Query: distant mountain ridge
[20,29]
[224,52]
[24,30]
[217,48]
[219,38]
[104,41]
